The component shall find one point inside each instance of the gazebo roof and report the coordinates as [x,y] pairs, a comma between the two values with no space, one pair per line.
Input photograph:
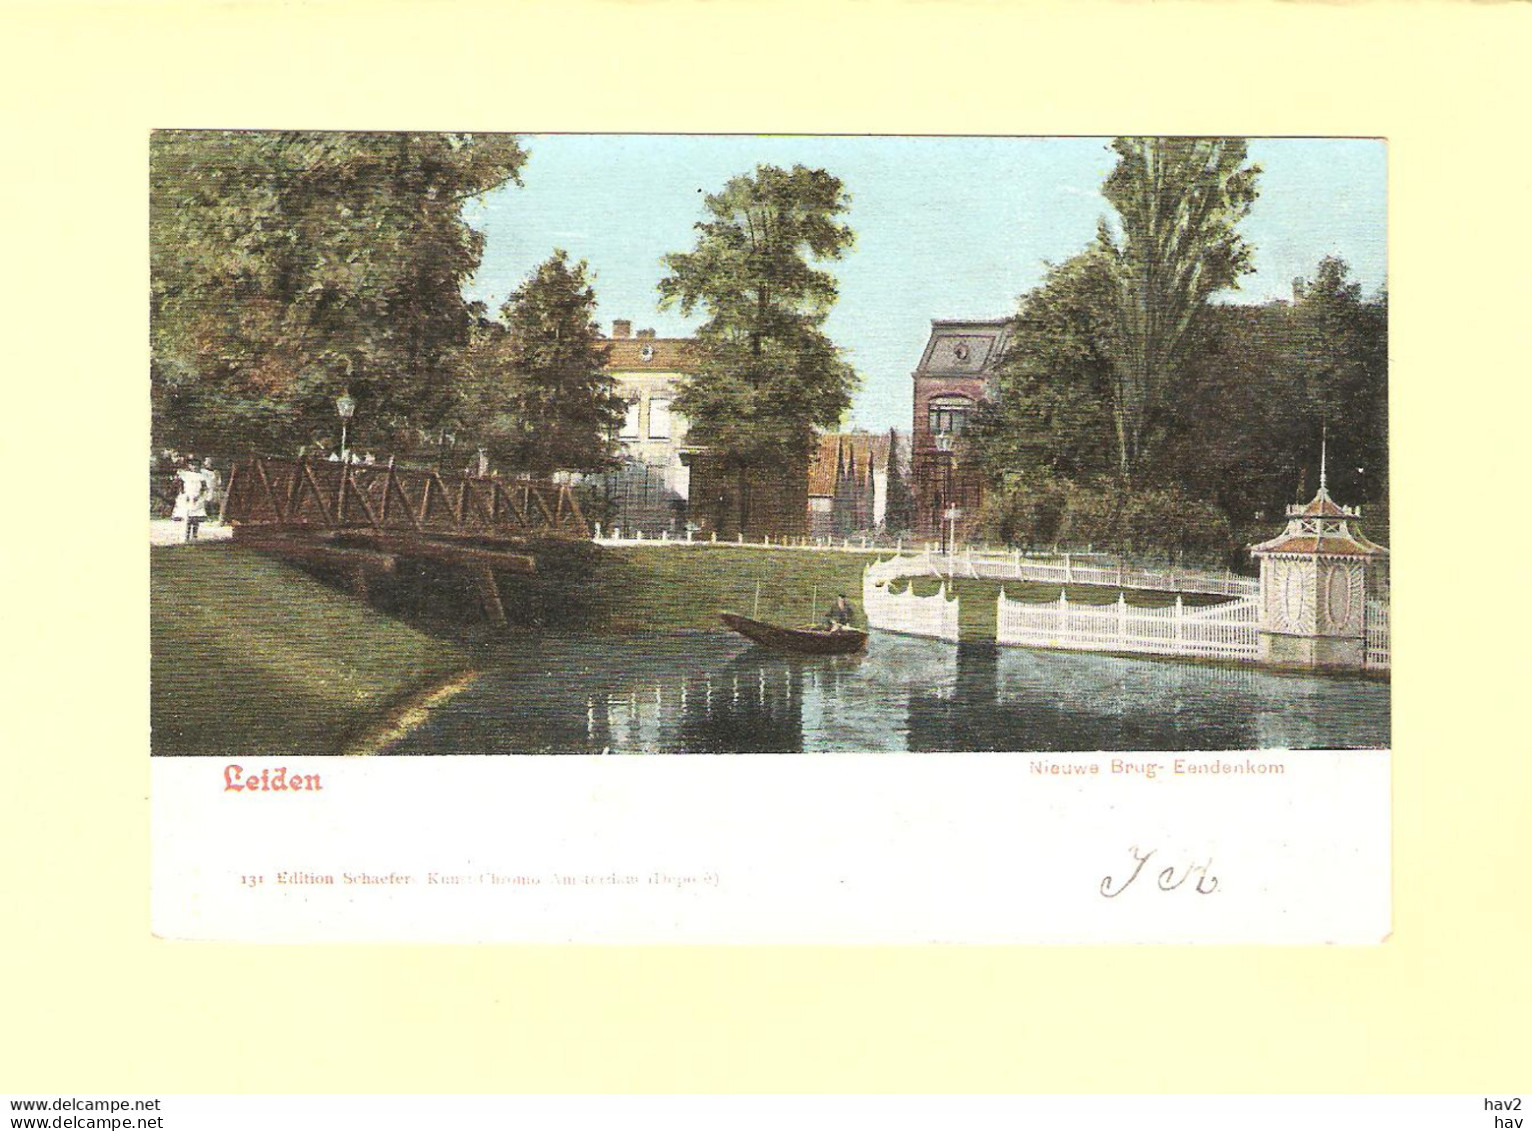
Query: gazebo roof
[1321,527]
[1341,544]
[1322,504]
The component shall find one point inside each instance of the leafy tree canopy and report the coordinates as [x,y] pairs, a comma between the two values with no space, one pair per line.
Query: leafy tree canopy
[287,266]
[768,374]
[1052,410]
[536,394]
[1240,432]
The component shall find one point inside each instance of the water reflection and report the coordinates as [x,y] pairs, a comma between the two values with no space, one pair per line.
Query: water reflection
[712,693]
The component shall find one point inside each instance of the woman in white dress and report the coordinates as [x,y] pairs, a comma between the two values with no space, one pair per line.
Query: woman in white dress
[191,503]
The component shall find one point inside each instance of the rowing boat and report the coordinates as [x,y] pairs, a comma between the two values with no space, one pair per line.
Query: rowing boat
[816,641]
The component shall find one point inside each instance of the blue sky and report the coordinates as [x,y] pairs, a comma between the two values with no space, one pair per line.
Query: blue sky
[946,227]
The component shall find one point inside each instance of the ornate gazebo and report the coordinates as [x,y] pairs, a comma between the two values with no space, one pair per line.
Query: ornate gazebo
[1314,578]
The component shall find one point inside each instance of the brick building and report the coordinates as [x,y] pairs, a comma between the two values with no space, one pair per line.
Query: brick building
[954,377]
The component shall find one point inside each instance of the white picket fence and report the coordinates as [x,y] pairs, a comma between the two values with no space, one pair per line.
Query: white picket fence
[1376,653]
[1066,570]
[936,615]
[1226,631]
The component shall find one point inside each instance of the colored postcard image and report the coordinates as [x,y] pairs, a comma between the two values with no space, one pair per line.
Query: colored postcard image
[582,444]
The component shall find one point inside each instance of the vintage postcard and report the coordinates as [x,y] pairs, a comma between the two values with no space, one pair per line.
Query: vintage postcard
[1009,514]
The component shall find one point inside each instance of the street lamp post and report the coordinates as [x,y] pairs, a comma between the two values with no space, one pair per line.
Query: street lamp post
[345,408]
[946,517]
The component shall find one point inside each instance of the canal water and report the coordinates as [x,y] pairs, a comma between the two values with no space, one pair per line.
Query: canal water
[713,693]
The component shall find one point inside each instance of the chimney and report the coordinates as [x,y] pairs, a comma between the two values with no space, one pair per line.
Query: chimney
[646,333]
[622,328]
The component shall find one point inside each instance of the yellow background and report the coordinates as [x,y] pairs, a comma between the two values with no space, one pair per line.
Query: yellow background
[90,1002]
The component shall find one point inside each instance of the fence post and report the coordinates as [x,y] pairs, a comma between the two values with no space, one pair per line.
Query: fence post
[1068,569]
[1176,633]
[1122,618]
[598,532]
[712,536]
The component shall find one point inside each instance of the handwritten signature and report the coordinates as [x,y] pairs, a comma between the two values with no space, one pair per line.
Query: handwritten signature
[1206,884]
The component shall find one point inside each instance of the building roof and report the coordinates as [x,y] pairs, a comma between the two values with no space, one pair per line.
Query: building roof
[670,355]
[847,455]
[963,348]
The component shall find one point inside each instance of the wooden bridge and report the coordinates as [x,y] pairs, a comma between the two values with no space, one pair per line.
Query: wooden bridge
[364,518]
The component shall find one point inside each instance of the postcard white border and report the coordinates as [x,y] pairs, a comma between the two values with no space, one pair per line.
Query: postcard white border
[1237,847]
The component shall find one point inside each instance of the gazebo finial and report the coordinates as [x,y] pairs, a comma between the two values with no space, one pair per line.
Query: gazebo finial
[1323,430]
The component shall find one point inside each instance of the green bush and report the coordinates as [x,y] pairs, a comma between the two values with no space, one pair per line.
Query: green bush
[1110,516]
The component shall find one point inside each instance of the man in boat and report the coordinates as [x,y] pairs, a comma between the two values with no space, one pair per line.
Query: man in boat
[839,616]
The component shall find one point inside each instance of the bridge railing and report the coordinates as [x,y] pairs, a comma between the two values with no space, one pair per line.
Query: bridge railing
[284,493]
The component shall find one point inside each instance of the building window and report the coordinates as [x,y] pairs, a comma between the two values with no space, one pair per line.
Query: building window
[659,420]
[949,415]
[630,423]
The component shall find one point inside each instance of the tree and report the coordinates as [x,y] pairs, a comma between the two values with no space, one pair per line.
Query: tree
[1340,355]
[537,396]
[1052,411]
[767,375]
[1179,202]
[288,266]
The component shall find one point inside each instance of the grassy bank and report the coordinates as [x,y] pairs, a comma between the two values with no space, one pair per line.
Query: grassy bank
[250,656]
[666,587]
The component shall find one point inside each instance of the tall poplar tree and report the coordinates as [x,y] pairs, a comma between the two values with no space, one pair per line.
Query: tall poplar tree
[1179,202]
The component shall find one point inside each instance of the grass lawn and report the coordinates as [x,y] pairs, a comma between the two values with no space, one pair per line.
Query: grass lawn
[685,587]
[251,656]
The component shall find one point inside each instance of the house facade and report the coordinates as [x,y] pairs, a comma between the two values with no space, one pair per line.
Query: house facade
[955,376]
[650,488]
